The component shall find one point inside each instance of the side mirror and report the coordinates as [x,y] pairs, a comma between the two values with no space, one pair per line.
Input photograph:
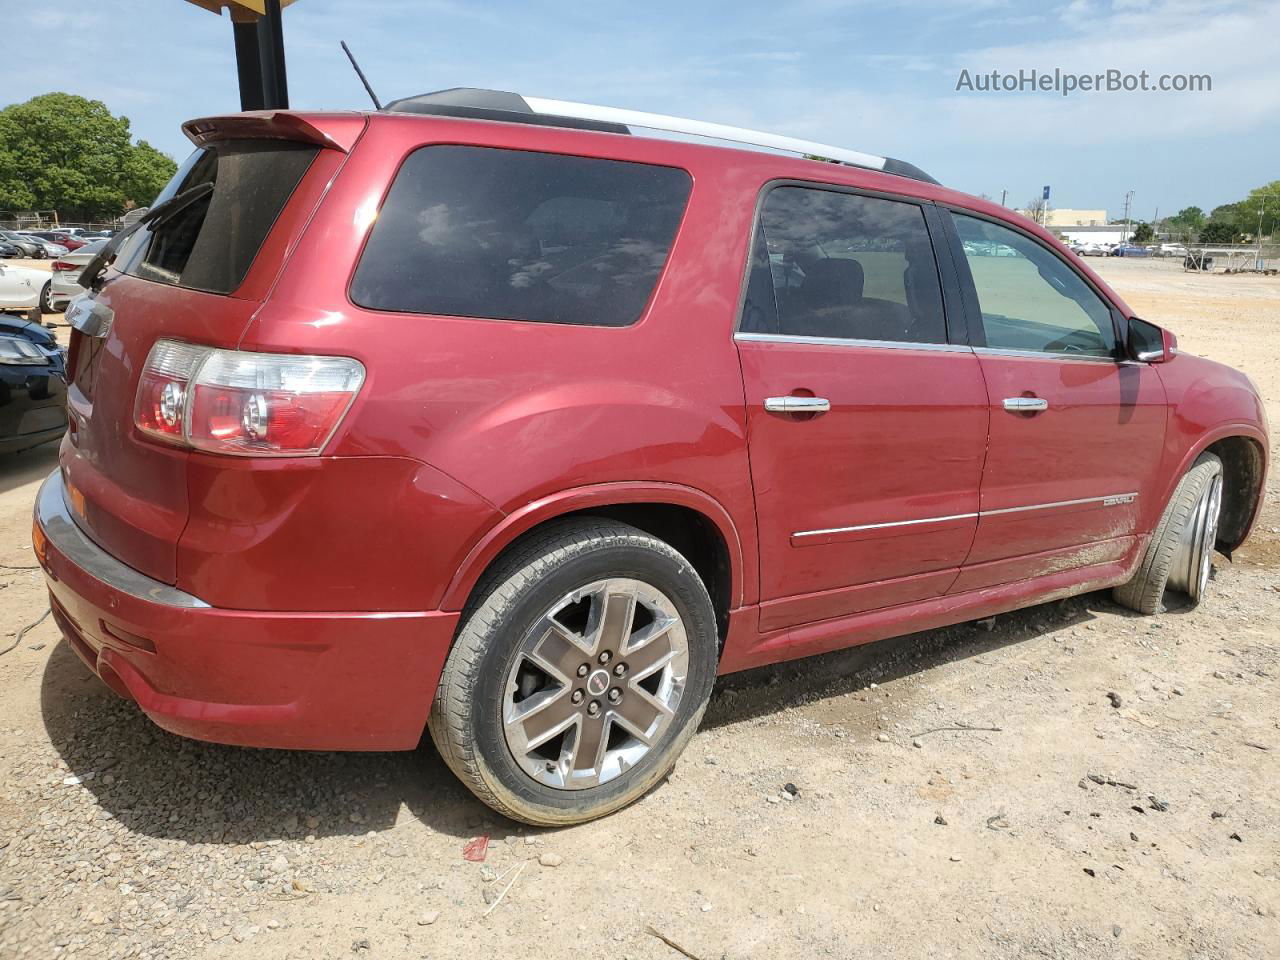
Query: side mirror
[1149,343]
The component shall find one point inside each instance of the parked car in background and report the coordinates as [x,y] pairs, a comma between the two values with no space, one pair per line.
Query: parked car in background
[1171,250]
[51,249]
[423,437]
[65,273]
[30,246]
[10,251]
[1130,250]
[69,240]
[33,389]
[22,288]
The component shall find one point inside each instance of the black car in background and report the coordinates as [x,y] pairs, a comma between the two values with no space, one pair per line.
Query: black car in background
[33,386]
[9,252]
[29,246]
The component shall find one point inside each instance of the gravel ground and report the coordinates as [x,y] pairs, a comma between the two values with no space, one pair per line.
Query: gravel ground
[1122,805]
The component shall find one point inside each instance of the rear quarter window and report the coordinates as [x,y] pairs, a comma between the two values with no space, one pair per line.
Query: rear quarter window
[519,235]
[212,243]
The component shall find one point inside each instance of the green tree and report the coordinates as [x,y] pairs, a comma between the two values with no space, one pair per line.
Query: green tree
[1262,206]
[1142,233]
[1185,224]
[63,152]
[1219,231]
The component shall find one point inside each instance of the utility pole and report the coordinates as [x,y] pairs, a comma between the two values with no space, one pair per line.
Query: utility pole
[1128,202]
[1003,195]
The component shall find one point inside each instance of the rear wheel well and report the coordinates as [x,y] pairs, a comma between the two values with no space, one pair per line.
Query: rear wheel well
[694,535]
[1241,486]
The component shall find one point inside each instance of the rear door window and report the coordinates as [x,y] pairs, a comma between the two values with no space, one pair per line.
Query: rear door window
[843,266]
[211,244]
[519,235]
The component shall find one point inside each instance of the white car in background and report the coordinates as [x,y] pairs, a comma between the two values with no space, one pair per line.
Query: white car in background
[22,288]
[65,278]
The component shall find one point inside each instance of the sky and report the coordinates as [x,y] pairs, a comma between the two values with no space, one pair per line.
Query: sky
[865,74]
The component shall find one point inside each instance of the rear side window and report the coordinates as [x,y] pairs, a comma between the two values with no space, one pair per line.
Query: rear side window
[844,266]
[211,244]
[516,235]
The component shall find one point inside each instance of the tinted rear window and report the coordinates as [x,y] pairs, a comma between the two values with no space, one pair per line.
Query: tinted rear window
[210,245]
[507,234]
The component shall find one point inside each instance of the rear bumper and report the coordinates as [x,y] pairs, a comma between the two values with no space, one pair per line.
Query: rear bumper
[323,681]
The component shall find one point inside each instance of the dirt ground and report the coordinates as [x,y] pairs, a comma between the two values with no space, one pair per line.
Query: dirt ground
[1075,828]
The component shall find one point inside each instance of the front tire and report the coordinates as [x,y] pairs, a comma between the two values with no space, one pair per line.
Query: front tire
[1180,554]
[579,674]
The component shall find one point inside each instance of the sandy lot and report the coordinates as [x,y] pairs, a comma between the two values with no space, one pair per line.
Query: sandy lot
[1075,829]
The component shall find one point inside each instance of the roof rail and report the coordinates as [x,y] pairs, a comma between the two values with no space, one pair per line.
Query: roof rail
[499,105]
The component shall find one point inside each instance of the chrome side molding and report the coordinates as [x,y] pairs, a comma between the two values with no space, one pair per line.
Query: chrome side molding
[1111,500]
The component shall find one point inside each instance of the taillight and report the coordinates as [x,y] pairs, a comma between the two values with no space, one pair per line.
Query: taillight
[63,265]
[248,404]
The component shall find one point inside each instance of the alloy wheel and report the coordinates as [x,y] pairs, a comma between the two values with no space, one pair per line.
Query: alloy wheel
[595,684]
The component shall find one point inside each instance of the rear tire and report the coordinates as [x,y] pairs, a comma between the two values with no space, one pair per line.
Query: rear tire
[552,633]
[46,298]
[1181,549]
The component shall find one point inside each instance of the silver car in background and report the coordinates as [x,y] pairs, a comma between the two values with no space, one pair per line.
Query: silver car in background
[65,281]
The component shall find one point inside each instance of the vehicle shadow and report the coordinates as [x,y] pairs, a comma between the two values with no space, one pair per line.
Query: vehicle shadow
[165,786]
[28,466]
[755,693]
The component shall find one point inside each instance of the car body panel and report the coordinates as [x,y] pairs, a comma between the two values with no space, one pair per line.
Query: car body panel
[330,587]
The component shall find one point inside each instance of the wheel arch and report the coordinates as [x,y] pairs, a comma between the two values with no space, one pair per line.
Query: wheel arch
[691,521]
[1242,448]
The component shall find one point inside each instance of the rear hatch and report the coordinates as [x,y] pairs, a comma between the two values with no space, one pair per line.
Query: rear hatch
[198,276]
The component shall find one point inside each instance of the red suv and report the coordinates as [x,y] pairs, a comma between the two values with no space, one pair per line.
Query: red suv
[480,415]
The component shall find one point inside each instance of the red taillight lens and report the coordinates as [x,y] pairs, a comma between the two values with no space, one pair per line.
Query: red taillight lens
[250,404]
[162,389]
[63,265]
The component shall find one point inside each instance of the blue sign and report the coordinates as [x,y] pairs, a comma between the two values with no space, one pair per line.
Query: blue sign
[1046,193]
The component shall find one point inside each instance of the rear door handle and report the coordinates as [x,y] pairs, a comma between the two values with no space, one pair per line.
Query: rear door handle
[797,404]
[1025,404]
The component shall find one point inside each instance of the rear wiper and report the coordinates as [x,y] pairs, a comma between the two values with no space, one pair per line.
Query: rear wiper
[91,276]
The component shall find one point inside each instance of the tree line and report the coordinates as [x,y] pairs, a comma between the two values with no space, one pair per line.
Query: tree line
[65,153]
[1257,215]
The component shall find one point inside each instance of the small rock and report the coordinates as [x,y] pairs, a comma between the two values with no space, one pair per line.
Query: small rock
[1237,838]
[550,859]
[280,864]
[1115,930]
[1219,675]
[1115,699]
[490,894]
[488,874]
[772,799]
[362,944]
[917,743]
[792,789]
[954,859]
[786,796]
[706,908]
[1090,872]
[217,933]
[1178,691]
[882,737]
[428,918]
[940,820]
[1216,815]
[1158,805]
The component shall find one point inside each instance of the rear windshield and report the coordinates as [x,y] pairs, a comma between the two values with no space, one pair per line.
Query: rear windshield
[211,243]
[517,235]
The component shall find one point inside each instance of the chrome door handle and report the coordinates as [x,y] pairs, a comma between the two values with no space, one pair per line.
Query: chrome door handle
[797,404]
[1025,404]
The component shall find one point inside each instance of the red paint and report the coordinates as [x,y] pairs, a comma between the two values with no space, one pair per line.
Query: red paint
[335,582]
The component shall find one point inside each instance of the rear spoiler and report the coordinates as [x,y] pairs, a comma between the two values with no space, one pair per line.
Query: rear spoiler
[333,131]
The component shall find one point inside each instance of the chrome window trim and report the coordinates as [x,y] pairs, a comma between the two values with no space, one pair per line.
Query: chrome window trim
[59,526]
[851,342]
[1110,500]
[1046,355]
